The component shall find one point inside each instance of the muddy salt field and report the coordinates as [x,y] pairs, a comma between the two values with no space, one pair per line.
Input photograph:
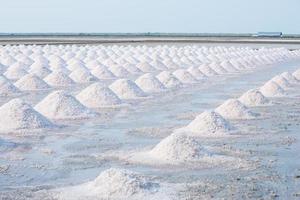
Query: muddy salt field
[149,122]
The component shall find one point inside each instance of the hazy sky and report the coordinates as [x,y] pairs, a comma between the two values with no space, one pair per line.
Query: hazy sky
[208,16]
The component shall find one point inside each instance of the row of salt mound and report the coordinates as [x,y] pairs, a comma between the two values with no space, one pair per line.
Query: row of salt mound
[17,115]
[115,183]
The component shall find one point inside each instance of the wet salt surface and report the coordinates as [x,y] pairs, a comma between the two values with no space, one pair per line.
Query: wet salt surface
[72,155]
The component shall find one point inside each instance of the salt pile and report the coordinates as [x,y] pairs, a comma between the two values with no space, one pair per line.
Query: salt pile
[281,81]
[81,75]
[115,183]
[98,95]
[7,88]
[149,83]
[18,115]
[102,73]
[208,124]
[234,109]
[296,74]
[132,69]
[272,89]
[207,71]
[168,80]
[145,67]
[228,66]
[39,69]
[289,77]
[58,78]
[31,82]
[119,71]
[126,89]
[253,98]
[177,149]
[217,68]
[14,73]
[184,76]
[195,71]
[60,105]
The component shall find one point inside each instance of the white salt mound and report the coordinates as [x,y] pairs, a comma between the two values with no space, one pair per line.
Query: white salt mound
[7,88]
[18,115]
[115,184]
[145,67]
[234,109]
[60,105]
[253,98]
[119,71]
[184,76]
[14,73]
[58,78]
[126,89]
[296,74]
[168,80]
[102,73]
[177,149]
[207,71]
[195,71]
[289,77]
[31,82]
[82,76]
[281,81]
[97,95]
[208,123]
[149,83]
[272,89]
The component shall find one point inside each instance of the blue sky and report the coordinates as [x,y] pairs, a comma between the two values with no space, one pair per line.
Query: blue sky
[204,16]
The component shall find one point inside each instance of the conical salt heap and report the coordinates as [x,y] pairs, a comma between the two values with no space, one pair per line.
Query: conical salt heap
[296,74]
[289,77]
[281,81]
[7,88]
[97,95]
[145,67]
[18,115]
[102,73]
[126,89]
[149,83]
[253,98]
[82,75]
[58,78]
[195,71]
[272,89]
[31,82]
[207,71]
[184,76]
[168,80]
[119,71]
[234,109]
[60,105]
[14,73]
[208,123]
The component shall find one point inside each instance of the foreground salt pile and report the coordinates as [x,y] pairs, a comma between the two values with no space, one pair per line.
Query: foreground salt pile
[61,105]
[116,183]
[208,124]
[18,115]
[126,89]
[168,80]
[97,95]
[149,83]
[31,82]
[272,89]
[254,97]
[7,88]
[234,109]
[58,78]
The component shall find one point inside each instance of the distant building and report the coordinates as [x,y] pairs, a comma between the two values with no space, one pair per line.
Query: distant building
[268,34]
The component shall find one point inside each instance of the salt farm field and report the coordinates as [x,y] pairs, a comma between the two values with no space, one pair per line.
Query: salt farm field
[149,122]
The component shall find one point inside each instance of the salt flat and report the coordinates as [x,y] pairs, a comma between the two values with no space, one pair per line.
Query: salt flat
[109,113]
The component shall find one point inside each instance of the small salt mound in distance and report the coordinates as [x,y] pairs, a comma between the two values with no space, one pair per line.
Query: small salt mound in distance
[102,73]
[184,76]
[281,81]
[82,75]
[7,88]
[208,124]
[116,183]
[14,73]
[31,82]
[217,68]
[272,89]
[149,83]
[234,109]
[296,74]
[289,77]
[119,71]
[126,89]
[253,98]
[207,71]
[58,78]
[195,71]
[97,95]
[145,67]
[168,80]
[228,66]
[60,105]
[18,115]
